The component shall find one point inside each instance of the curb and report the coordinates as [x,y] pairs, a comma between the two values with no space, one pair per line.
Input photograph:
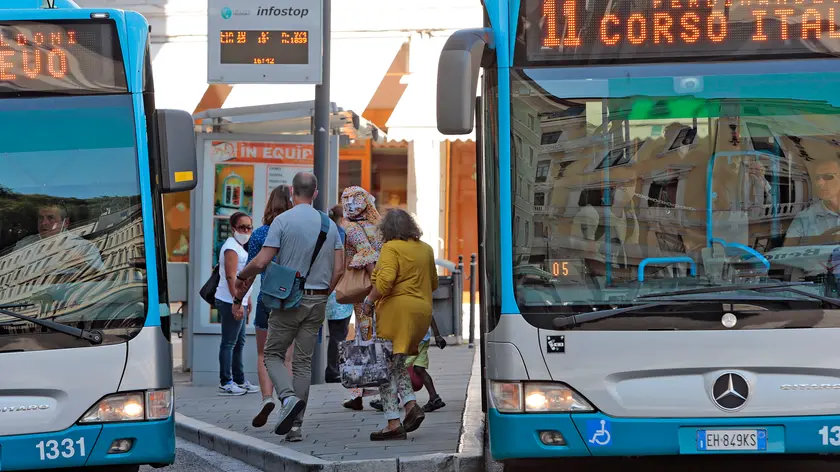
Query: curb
[272,457]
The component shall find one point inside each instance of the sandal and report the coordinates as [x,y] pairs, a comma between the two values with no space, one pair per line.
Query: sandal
[434,404]
[388,434]
[413,418]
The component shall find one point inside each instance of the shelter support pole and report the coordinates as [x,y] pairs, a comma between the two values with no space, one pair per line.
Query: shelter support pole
[321,120]
[321,132]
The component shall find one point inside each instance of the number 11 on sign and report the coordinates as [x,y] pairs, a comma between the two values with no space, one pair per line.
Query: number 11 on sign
[570,38]
[830,436]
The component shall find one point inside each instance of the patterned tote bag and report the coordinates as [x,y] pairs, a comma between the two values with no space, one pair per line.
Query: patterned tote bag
[365,363]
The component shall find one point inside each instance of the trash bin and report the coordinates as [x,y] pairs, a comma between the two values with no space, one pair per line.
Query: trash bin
[446,301]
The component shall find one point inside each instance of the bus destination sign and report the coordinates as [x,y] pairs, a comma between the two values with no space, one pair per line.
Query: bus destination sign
[60,57]
[627,31]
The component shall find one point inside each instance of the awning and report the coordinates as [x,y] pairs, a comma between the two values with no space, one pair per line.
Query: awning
[286,118]
[357,67]
[180,72]
[415,116]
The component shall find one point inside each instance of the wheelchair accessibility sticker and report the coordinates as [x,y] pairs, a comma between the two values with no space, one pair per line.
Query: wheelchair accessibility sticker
[598,432]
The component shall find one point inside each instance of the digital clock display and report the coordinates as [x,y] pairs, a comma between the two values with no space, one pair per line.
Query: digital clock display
[60,57]
[644,30]
[264,47]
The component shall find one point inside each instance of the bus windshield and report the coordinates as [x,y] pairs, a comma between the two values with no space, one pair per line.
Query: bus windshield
[71,235]
[630,181]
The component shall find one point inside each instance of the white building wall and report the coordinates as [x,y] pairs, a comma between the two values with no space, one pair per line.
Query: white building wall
[366,36]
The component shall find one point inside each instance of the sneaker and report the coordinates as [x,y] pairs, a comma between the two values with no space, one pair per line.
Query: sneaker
[268,405]
[249,387]
[294,435]
[290,409]
[231,390]
[434,404]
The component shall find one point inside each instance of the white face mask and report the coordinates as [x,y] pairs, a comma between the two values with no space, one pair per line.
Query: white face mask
[355,207]
[241,238]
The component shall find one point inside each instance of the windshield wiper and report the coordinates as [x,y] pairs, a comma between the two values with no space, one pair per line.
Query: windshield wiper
[577,318]
[772,287]
[94,336]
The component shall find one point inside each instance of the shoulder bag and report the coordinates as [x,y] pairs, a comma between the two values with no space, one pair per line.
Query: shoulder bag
[282,287]
[355,284]
[208,290]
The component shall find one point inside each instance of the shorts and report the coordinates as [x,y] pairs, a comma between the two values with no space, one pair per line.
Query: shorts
[422,357]
[261,316]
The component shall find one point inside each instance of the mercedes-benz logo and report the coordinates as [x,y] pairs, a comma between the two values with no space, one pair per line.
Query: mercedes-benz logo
[730,391]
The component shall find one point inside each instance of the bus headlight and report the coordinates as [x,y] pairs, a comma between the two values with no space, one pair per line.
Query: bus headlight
[119,407]
[537,397]
[552,397]
[132,406]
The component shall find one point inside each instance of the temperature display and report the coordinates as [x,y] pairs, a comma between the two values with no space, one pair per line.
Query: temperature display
[62,56]
[264,47]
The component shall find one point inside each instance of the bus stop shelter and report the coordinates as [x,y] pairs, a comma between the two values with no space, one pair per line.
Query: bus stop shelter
[244,153]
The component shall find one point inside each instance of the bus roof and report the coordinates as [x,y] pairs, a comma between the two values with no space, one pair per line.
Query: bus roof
[35,4]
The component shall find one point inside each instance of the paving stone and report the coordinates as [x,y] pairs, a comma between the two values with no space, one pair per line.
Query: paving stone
[333,433]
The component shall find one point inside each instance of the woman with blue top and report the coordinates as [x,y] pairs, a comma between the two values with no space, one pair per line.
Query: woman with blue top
[278,202]
[338,315]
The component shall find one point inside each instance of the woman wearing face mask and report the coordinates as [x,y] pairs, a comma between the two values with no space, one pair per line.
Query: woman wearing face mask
[232,259]
[362,245]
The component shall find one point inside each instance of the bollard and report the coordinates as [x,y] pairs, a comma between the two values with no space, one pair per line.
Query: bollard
[458,300]
[473,263]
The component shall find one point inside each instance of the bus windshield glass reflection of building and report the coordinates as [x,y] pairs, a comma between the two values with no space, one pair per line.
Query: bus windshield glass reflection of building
[72,246]
[638,185]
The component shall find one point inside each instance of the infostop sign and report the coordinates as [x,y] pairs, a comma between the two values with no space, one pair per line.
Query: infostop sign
[260,42]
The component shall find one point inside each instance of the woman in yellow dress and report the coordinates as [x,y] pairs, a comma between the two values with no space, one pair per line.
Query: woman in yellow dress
[403,281]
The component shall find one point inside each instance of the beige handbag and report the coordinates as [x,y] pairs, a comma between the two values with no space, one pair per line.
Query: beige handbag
[354,285]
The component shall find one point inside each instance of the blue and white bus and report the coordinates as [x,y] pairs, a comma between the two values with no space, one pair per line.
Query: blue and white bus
[660,224]
[85,354]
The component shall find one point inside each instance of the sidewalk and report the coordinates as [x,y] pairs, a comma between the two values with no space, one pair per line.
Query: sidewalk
[335,434]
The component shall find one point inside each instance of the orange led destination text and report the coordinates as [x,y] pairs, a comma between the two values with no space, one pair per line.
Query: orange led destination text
[674,22]
[34,55]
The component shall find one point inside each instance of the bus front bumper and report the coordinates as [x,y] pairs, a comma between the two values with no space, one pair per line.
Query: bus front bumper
[518,436]
[152,442]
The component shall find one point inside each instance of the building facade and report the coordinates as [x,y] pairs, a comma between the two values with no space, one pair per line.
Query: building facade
[384,57]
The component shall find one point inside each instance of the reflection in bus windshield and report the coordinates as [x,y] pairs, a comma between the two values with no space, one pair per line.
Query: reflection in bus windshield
[638,194]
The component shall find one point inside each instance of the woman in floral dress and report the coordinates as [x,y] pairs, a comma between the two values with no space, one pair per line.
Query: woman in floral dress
[362,245]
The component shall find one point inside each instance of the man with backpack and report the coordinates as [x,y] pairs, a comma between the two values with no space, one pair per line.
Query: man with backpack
[294,242]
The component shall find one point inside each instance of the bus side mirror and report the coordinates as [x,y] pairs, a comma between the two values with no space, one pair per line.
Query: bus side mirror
[178,164]
[458,69]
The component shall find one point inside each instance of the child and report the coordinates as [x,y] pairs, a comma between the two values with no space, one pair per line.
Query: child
[420,363]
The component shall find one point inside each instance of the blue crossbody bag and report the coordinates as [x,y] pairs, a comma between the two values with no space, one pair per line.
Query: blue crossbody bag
[282,287]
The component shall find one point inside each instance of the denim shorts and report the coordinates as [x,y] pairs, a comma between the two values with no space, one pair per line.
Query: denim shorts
[261,316]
